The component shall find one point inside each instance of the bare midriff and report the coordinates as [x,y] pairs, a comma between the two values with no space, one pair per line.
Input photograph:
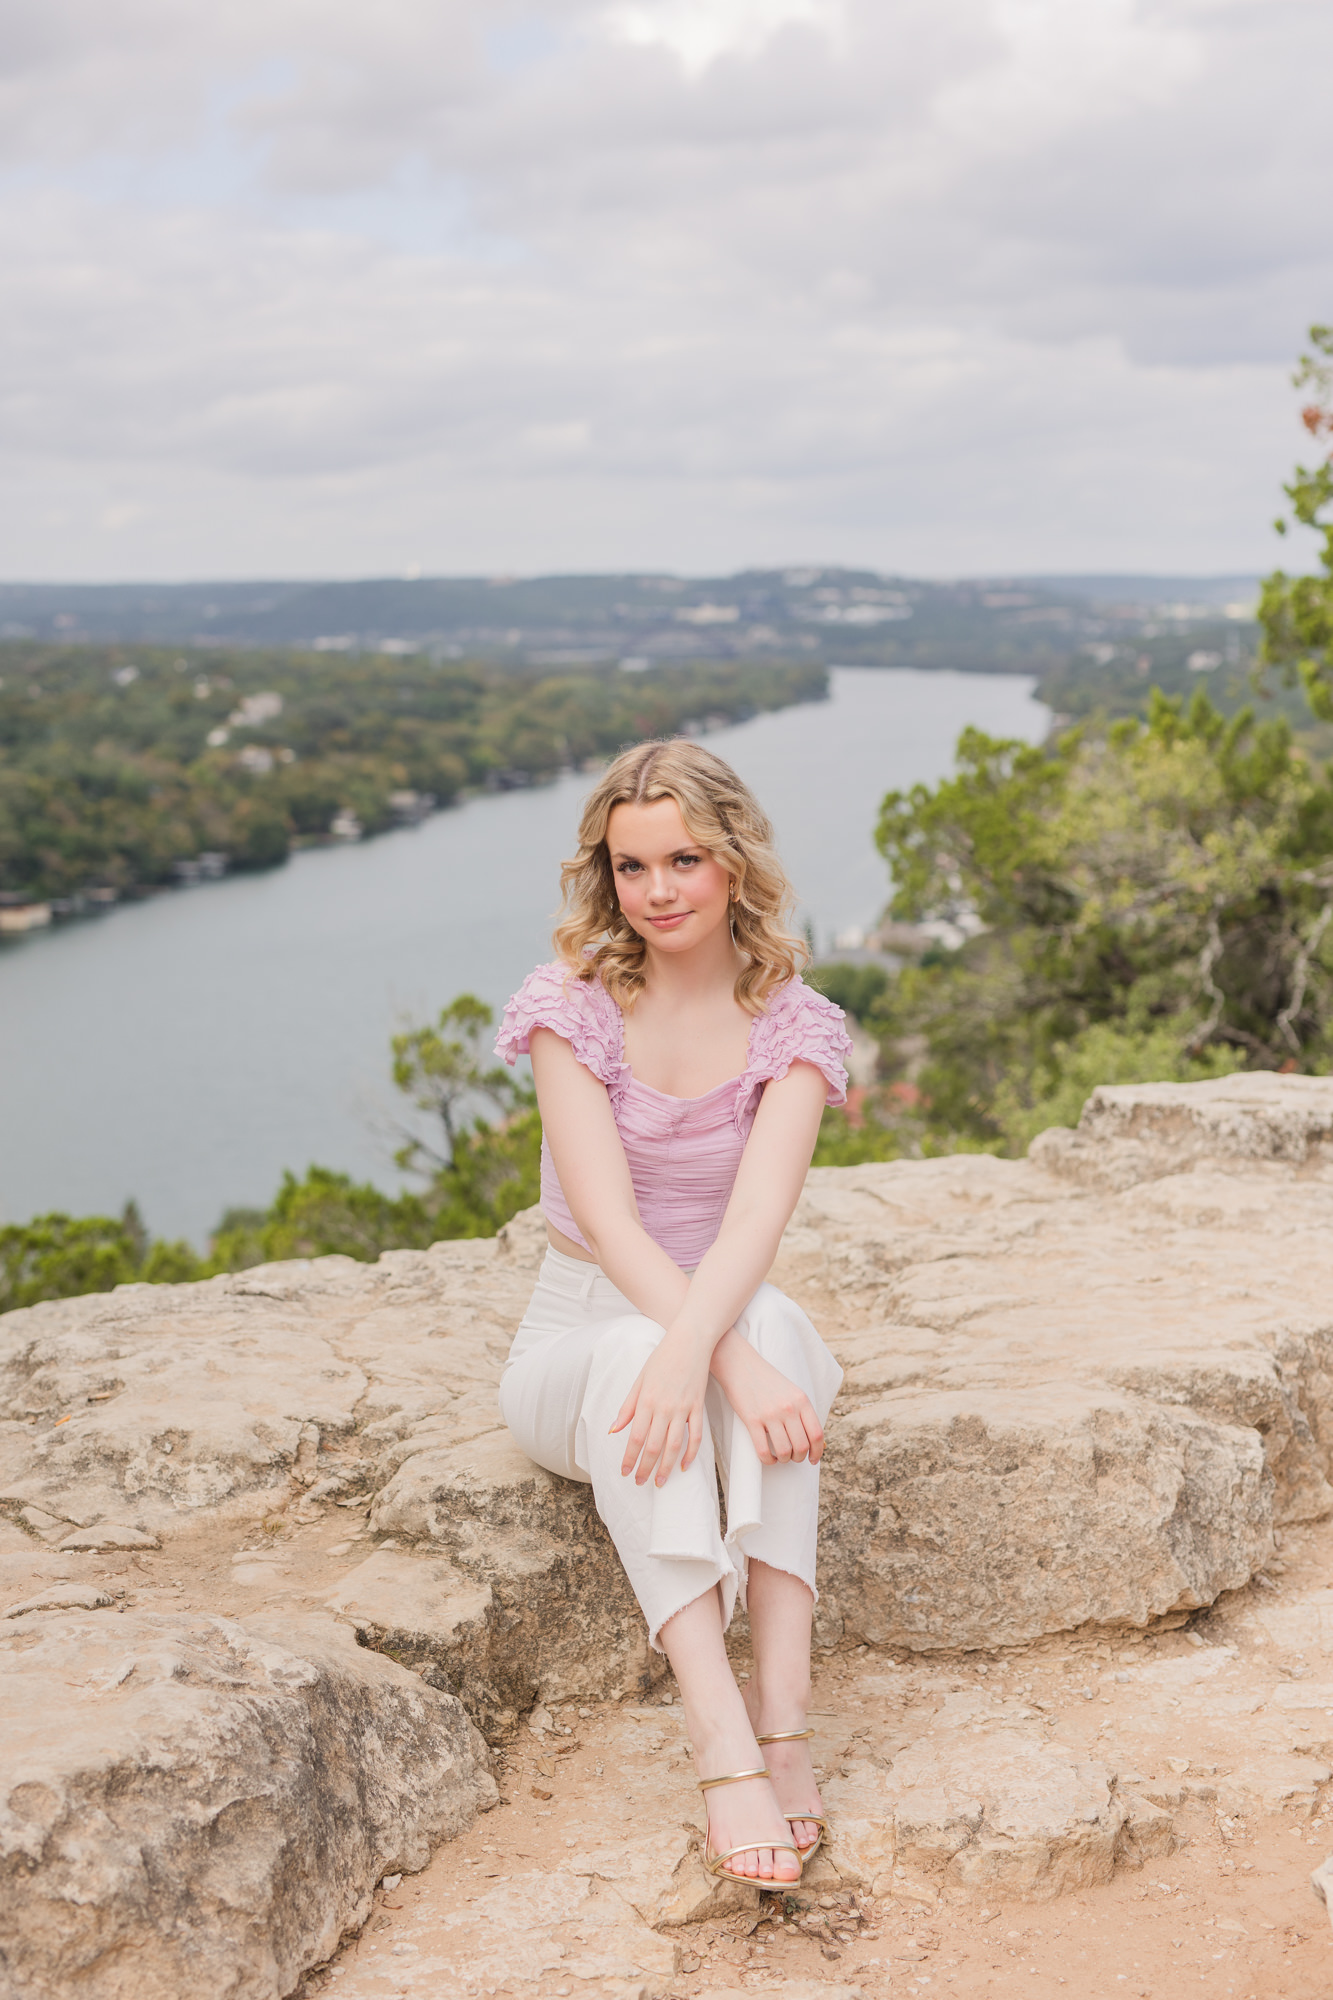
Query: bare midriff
[567,1246]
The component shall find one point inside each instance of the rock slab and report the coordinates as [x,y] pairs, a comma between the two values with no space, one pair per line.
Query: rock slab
[194,1807]
[1084,1387]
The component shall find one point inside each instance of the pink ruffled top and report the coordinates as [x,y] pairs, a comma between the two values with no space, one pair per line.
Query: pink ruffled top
[683,1152]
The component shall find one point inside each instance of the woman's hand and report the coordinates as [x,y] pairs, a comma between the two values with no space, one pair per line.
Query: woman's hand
[665,1412]
[780,1418]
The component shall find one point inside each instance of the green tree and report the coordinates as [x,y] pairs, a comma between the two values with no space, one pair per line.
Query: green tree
[1172,875]
[857,989]
[325,1214]
[495,1171]
[61,1256]
[1296,612]
[441,1069]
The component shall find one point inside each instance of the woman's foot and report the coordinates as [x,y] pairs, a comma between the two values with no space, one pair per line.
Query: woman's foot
[792,1772]
[738,1814]
[793,1776]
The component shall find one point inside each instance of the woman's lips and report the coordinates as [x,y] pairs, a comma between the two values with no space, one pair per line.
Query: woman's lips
[669,923]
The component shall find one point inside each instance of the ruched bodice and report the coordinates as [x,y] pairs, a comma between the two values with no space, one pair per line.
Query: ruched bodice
[683,1152]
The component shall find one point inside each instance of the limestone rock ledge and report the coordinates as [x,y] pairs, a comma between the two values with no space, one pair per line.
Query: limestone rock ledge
[1080,1387]
[194,1806]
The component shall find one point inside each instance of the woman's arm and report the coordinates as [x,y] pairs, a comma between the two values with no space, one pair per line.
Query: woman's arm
[594,1175]
[664,1408]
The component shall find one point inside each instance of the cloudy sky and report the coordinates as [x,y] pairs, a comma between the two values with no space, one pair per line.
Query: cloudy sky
[317,287]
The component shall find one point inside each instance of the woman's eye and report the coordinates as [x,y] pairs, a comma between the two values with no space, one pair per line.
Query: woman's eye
[688,860]
[627,868]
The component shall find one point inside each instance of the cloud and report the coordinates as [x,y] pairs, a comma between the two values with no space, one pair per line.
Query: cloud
[936,284]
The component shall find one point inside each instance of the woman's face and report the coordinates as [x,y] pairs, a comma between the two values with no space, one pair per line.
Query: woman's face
[671,890]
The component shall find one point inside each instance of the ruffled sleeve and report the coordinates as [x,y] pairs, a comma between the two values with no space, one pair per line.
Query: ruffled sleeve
[580,1011]
[800,1025]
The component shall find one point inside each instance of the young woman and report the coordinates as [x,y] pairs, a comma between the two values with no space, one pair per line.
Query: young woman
[681,1070]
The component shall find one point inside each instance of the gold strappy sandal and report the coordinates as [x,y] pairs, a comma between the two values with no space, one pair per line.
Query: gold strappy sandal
[713,1862]
[798,1736]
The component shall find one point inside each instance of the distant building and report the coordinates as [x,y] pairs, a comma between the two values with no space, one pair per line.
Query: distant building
[345,825]
[255,759]
[17,917]
[409,808]
[253,710]
[708,614]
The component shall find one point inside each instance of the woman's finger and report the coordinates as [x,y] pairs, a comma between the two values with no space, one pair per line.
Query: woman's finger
[627,1408]
[778,1441]
[695,1439]
[637,1439]
[759,1439]
[677,1435]
[798,1444]
[652,1449]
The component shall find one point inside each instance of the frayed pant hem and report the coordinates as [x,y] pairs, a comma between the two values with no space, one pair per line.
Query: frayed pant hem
[723,1578]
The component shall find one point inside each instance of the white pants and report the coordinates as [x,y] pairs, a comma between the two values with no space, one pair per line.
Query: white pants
[574,1359]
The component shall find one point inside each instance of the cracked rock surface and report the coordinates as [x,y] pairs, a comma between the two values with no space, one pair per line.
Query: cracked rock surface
[1082,1390]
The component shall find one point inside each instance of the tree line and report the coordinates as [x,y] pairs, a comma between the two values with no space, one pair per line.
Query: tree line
[120,763]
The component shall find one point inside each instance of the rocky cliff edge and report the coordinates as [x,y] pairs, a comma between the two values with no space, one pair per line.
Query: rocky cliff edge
[273,1572]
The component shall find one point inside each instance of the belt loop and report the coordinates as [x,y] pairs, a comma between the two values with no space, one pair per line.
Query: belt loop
[585,1289]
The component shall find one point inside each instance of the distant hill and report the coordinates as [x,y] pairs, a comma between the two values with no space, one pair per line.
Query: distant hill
[840,616]
[1204,593]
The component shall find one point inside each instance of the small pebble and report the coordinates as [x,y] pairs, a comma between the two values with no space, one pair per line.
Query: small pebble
[391,1881]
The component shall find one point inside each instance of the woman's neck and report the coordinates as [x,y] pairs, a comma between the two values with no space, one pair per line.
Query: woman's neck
[688,977]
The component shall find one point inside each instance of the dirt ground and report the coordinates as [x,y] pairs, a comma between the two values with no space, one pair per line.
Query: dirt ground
[516,1907]
[1229,1913]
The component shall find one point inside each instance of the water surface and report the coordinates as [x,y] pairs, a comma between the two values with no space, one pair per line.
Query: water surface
[186,1049]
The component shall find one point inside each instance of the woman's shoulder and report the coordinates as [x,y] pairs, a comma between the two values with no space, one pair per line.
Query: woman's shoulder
[580,1011]
[799,1024]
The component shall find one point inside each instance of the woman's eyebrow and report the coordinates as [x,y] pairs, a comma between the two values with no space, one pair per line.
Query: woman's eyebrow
[619,854]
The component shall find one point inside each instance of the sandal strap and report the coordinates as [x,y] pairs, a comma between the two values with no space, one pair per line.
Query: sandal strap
[754,1847]
[735,1778]
[786,1736]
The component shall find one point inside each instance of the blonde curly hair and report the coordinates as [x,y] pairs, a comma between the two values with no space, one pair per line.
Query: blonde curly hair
[593,936]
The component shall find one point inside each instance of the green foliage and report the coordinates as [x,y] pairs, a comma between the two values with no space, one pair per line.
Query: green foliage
[494,1172]
[61,1257]
[439,1068]
[857,989]
[1296,613]
[1169,880]
[108,778]
[326,1214]
[1105,1053]
[843,1144]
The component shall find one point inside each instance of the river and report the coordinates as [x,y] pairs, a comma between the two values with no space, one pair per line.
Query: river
[185,1049]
